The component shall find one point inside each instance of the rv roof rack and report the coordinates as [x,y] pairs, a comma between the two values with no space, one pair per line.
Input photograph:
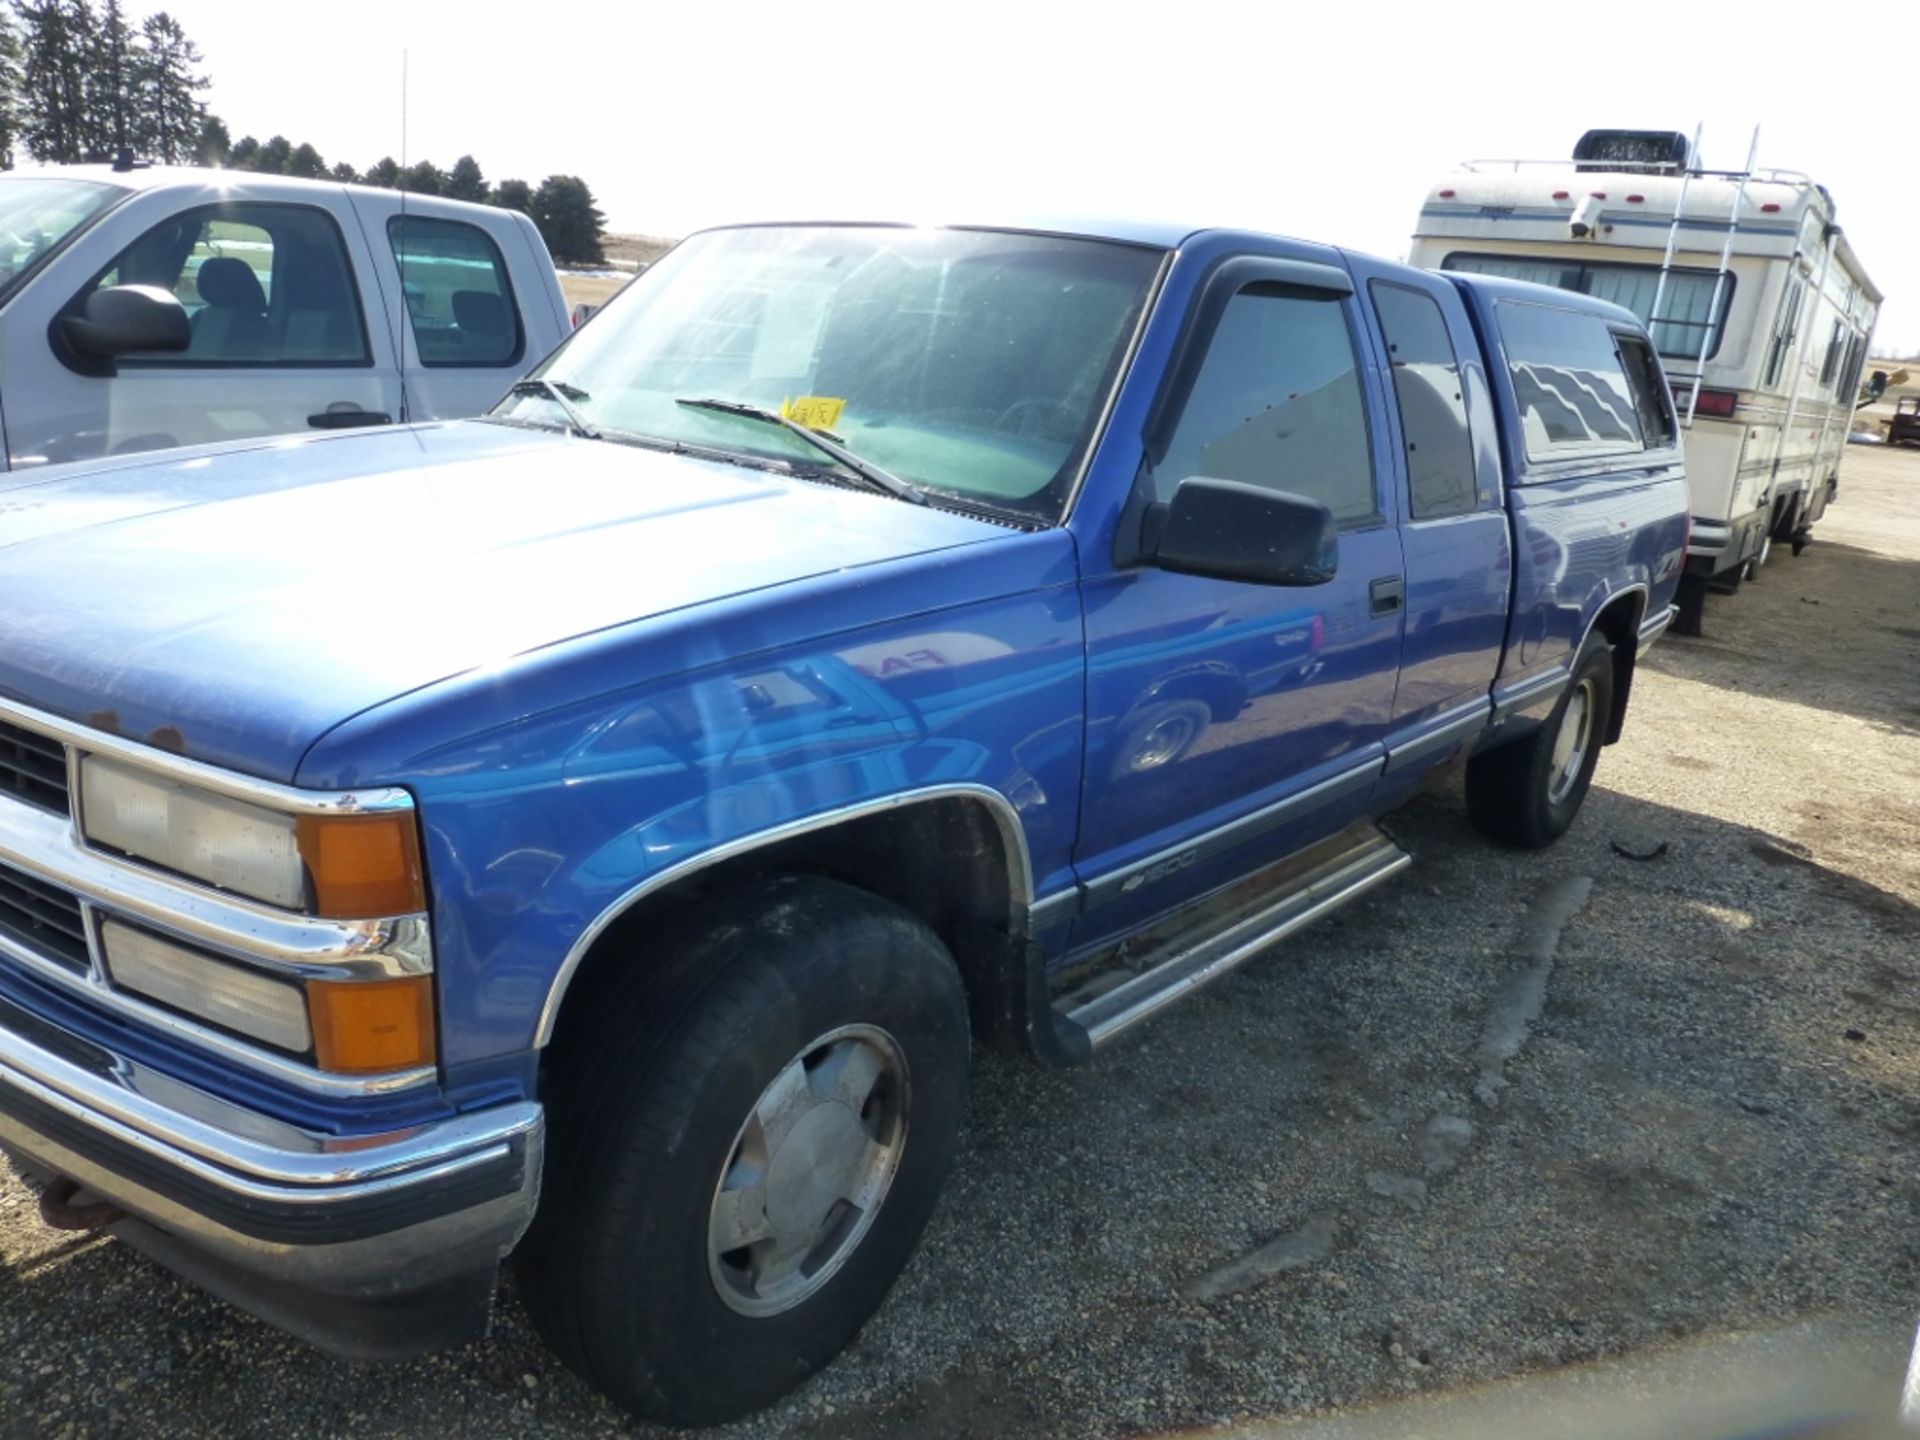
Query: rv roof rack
[1764,175]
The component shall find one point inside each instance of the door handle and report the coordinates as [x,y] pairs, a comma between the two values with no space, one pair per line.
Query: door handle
[1386,593]
[343,415]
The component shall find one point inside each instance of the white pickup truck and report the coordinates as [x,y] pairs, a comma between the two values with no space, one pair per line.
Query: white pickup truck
[145,308]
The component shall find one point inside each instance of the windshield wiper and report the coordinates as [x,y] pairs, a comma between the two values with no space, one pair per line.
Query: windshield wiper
[876,478]
[563,396]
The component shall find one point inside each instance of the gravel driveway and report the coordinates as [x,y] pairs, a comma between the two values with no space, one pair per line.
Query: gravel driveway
[1509,1113]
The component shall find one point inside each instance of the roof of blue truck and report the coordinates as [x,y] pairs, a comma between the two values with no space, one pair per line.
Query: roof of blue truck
[1495,287]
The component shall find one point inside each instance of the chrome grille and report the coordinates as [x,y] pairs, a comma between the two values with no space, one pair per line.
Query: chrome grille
[43,918]
[33,768]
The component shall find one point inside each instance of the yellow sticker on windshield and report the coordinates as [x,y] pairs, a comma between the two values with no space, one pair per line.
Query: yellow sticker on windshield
[816,412]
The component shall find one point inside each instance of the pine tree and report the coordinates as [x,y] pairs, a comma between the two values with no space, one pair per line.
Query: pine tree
[112,101]
[384,172]
[10,89]
[465,182]
[214,145]
[345,173]
[514,195]
[245,154]
[569,221]
[275,156]
[306,162]
[55,53]
[169,93]
[425,178]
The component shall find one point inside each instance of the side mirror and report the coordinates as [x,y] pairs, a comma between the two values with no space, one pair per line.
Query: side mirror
[126,320]
[1228,530]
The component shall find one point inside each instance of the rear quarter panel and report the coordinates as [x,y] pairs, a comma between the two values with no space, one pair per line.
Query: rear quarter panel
[1586,531]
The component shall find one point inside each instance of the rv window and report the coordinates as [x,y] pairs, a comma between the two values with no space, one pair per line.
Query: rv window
[1830,364]
[1785,328]
[1568,382]
[1650,399]
[1684,309]
[1277,403]
[1429,392]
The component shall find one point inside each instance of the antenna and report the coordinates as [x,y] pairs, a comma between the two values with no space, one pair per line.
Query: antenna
[404,328]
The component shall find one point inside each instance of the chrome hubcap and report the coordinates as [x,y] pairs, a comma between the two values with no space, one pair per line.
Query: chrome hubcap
[808,1171]
[1570,744]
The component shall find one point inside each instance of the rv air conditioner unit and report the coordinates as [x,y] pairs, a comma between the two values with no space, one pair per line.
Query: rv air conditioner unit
[1653,151]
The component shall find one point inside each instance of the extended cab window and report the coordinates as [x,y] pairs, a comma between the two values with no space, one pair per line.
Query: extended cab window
[264,285]
[1431,397]
[458,298]
[1277,403]
[1650,398]
[1568,381]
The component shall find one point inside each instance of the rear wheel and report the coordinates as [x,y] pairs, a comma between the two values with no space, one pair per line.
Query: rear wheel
[1691,600]
[1527,793]
[743,1154]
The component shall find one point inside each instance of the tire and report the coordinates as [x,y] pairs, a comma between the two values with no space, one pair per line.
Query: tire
[668,1093]
[1527,793]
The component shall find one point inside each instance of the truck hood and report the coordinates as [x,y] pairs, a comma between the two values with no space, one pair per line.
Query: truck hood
[235,604]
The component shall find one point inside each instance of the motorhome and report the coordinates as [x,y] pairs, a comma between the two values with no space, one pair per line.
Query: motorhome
[1761,311]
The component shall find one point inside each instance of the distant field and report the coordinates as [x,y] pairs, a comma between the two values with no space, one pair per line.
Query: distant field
[624,252]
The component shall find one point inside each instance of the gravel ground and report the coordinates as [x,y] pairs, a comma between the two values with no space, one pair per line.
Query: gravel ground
[1511,1112]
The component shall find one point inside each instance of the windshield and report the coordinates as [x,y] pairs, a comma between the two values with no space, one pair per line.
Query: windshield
[972,364]
[37,215]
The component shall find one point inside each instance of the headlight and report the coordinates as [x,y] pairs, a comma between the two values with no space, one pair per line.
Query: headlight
[349,1027]
[229,996]
[343,867]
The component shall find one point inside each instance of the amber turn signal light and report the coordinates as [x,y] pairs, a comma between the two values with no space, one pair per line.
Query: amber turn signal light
[363,867]
[364,1026]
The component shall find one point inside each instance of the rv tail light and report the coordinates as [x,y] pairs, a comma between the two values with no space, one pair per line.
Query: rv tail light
[1635,199]
[1563,194]
[1599,194]
[1770,208]
[1446,194]
[1719,404]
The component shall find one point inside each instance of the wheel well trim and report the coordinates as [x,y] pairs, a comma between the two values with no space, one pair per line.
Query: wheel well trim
[1013,838]
[1634,588]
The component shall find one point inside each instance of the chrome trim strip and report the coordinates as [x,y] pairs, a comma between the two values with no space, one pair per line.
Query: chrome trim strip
[97,992]
[1061,905]
[1205,846]
[42,845]
[210,777]
[1655,628]
[1441,732]
[1013,837]
[1525,694]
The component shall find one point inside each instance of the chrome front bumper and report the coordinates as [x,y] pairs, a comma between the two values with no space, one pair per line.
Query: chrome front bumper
[375,1246]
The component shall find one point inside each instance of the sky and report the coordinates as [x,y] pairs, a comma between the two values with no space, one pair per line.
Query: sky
[1328,122]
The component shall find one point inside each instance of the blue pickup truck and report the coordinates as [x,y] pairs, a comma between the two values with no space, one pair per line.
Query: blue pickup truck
[599,832]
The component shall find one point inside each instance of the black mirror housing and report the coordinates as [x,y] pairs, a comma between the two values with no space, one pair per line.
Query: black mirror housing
[128,320]
[1229,530]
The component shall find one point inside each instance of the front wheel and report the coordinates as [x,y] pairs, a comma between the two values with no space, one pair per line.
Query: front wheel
[1526,794]
[743,1154]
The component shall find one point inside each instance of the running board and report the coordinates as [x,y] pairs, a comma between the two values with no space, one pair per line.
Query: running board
[1110,1004]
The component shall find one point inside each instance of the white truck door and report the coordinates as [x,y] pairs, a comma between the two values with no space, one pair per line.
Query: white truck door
[286,335]
[473,327]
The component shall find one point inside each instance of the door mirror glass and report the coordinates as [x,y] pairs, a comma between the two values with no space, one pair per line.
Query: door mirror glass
[1228,530]
[128,320]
